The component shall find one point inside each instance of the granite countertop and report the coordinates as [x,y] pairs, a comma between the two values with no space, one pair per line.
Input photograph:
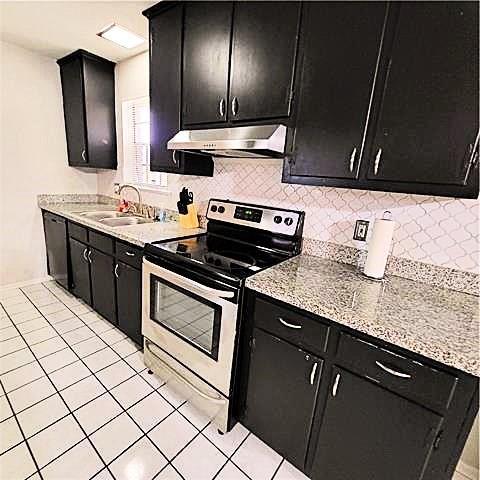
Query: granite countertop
[139,234]
[437,323]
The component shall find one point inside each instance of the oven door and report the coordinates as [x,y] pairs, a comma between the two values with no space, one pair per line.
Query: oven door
[193,323]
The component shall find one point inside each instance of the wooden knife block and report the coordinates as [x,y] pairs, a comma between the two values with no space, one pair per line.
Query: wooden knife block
[190,220]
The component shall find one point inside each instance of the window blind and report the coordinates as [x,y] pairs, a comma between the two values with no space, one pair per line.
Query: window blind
[136,145]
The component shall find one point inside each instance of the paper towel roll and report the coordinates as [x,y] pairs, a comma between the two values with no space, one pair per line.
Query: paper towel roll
[379,247]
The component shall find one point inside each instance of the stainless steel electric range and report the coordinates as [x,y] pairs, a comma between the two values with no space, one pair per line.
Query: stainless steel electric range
[192,298]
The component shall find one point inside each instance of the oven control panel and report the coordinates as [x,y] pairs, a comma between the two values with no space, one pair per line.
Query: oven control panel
[264,218]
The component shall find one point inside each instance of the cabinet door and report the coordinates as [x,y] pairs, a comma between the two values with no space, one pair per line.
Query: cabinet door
[340,52]
[73,109]
[129,301]
[103,284]
[56,243]
[429,118]
[80,270]
[369,433]
[165,84]
[100,112]
[264,47]
[282,389]
[206,51]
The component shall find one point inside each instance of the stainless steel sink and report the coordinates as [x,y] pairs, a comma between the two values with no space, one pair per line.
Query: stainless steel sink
[115,219]
[99,215]
[120,222]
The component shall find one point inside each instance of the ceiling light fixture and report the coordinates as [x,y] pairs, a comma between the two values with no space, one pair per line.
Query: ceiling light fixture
[121,36]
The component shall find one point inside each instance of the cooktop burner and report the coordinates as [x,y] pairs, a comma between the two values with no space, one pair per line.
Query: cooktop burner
[235,258]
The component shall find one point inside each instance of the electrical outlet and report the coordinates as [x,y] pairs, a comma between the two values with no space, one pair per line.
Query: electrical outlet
[116,188]
[361,230]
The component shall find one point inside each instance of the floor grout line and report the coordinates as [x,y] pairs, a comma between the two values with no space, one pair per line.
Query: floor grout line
[122,358]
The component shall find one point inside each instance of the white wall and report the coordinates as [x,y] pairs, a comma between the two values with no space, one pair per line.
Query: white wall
[33,159]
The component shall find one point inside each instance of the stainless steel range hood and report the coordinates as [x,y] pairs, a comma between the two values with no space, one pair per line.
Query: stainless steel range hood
[252,141]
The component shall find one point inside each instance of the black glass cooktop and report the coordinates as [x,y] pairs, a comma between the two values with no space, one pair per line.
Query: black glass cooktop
[236,259]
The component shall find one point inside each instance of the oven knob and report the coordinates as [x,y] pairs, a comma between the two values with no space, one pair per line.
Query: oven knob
[209,259]
[221,209]
[218,262]
[277,219]
[213,208]
[288,221]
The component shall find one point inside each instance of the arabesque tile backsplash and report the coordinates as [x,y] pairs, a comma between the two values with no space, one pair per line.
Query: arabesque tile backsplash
[437,230]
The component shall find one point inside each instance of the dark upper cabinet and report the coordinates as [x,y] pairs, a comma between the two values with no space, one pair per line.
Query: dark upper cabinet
[80,270]
[369,433]
[264,48]
[282,389]
[129,300]
[88,90]
[55,229]
[206,51]
[166,31]
[428,123]
[238,61]
[103,284]
[341,42]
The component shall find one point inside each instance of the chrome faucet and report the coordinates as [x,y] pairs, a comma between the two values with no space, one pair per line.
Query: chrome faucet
[140,205]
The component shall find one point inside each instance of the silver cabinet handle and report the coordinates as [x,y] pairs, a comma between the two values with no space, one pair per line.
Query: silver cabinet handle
[85,254]
[174,159]
[335,385]
[83,155]
[116,270]
[313,372]
[130,254]
[221,107]
[472,158]
[289,325]
[378,157]
[234,106]
[392,372]
[352,159]
[90,256]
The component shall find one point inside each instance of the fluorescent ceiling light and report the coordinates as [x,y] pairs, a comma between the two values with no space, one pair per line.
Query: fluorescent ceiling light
[121,36]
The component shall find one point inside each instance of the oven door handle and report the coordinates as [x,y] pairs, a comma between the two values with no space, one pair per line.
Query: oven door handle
[181,281]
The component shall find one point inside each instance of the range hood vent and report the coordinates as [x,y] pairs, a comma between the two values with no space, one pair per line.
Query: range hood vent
[253,141]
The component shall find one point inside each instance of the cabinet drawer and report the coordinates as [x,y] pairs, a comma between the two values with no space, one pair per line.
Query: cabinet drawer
[101,242]
[51,217]
[78,232]
[291,326]
[424,384]
[129,254]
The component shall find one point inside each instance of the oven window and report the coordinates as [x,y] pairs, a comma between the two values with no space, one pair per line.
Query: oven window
[191,317]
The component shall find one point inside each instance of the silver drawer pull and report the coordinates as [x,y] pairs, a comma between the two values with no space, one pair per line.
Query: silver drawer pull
[116,270]
[130,254]
[392,372]
[313,372]
[335,385]
[234,106]
[289,325]
[85,254]
[174,158]
[221,107]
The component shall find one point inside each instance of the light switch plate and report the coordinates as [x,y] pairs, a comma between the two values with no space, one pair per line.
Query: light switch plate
[361,230]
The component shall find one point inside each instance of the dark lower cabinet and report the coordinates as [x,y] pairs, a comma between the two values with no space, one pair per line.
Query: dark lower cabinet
[103,284]
[129,300]
[369,433]
[282,391]
[55,229]
[80,270]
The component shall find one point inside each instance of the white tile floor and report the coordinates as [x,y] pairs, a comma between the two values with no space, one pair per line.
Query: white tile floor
[76,402]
